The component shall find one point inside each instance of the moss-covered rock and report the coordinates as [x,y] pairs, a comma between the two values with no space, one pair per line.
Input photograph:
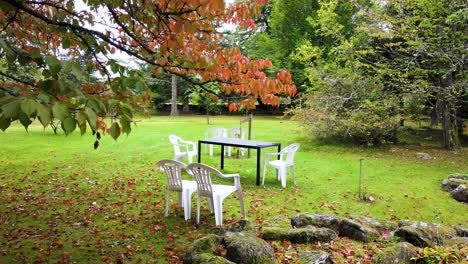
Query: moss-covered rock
[377,224]
[457,242]
[399,253]
[309,234]
[423,234]
[453,181]
[203,246]
[279,221]
[248,249]
[318,220]
[460,193]
[461,231]
[357,231]
[317,257]
[207,258]
[239,226]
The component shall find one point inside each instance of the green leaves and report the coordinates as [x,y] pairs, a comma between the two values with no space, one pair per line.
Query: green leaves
[69,125]
[115,130]
[43,113]
[28,106]
[54,66]
[60,111]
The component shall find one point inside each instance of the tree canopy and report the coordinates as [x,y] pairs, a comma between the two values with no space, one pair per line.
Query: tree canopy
[59,39]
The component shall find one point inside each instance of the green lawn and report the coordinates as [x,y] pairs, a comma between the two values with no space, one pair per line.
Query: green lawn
[62,200]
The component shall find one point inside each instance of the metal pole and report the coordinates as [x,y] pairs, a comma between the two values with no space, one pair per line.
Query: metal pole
[360,176]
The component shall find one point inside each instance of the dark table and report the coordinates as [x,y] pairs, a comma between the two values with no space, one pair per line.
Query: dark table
[242,143]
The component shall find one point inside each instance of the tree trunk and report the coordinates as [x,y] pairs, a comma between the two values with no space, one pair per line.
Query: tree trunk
[449,128]
[174,111]
[207,115]
[185,106]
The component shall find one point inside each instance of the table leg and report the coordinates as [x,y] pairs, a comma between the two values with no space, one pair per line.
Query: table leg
[259,153]
[222,157]
[199,151]
[279,156]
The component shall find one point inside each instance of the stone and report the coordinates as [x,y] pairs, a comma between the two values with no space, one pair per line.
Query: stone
[461,231]
[207,258]
[399,253]
[245,249]
[317,257]
[239,226]
[422,234]
[377,224]
[457,242]
[201,249]
[309,234]
[460,193]
[424,156]
[357,231]
[279,221]
[318,220]
[453,181]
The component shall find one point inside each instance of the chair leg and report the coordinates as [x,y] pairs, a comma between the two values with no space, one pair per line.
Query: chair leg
[264,172]
[189,157]
[211,150]
[210,204]
[293,174]
[198,209]
[282,175]
[218,211]
[241,201]
[187,205]
[168,199]
[181,199]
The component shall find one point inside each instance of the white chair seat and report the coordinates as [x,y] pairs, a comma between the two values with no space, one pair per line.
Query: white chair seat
[286,160]
[183,148]
[175,183]
[215,193]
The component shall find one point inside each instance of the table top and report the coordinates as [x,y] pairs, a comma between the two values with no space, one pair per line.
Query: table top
[238,142]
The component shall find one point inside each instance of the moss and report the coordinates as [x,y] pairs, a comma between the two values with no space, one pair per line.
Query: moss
[423,234]
[207,258]
[300,235]
[279,221]
[356,231]
[399,253]
[201,246]
[248,249]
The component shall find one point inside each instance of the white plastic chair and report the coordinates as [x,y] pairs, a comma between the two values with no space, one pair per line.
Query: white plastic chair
[183,148]
[215,132]
[236,133]
[285,160]
[175,183]
[215,192]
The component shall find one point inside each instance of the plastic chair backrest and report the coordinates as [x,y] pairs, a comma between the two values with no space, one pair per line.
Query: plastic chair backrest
[175,143]
[290,151]
[173,171]
[236,133]
[216,132]
[201,172]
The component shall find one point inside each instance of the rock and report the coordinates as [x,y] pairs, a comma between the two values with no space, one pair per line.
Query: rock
[453,181]
[279,221]
[309,234]
[461,231]
[424,156]
[318,220]
[317,257]
[201,249]
[239,226]
[360,232]
[399,253]
[245,249]
[377,224]
[423,234]
[457,242]
[207,258]
[460,193]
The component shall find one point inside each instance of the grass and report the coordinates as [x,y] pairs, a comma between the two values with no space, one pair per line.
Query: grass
[61,200]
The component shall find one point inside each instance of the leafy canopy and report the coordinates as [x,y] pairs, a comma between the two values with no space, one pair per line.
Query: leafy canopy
[59,40]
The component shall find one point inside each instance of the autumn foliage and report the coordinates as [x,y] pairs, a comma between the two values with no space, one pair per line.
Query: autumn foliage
[180,37]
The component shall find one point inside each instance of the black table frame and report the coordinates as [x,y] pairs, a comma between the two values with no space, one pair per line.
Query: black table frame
[241,143]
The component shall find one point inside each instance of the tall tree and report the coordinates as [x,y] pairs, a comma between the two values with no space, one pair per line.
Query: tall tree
[420,47]
[175,36]
[174,111]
